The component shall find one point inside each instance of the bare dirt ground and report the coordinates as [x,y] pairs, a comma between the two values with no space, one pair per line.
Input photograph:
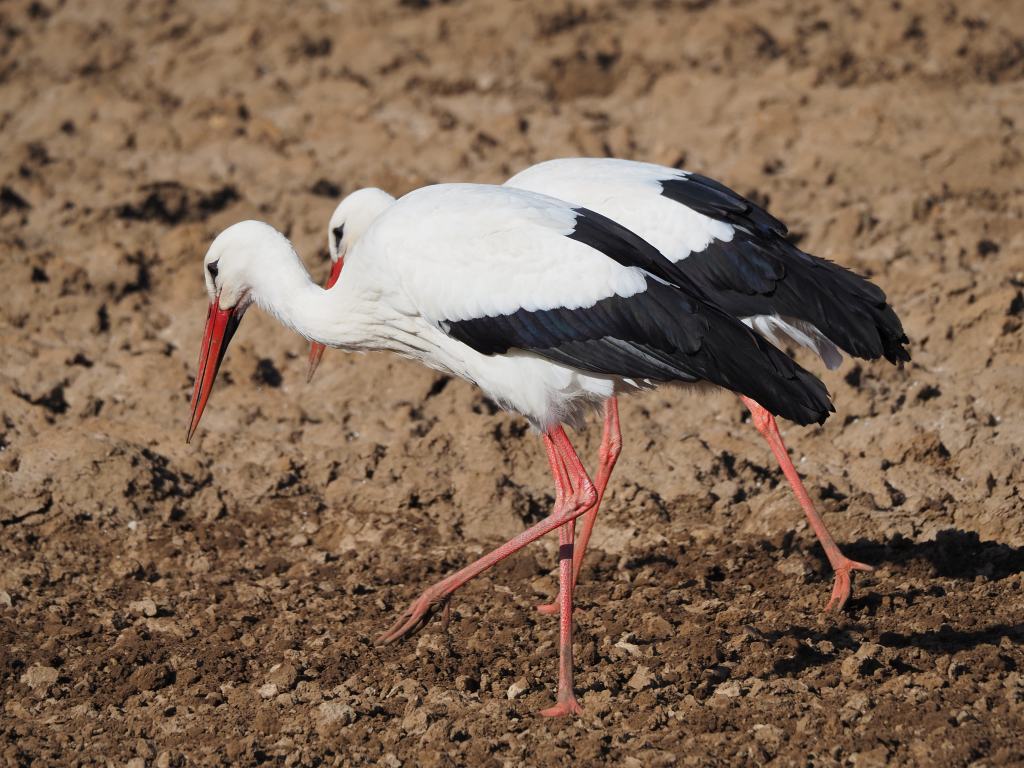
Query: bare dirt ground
[216,603]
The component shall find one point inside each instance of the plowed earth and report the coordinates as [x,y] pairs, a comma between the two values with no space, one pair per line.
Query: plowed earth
[215,604]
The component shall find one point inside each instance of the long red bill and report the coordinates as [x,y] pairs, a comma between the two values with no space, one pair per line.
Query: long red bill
[316,349]
[220,327]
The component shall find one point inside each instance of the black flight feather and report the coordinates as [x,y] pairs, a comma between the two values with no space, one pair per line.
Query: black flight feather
[759,272]
[660,334]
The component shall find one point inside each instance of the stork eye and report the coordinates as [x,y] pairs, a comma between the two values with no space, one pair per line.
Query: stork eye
[339,233]
[212,268]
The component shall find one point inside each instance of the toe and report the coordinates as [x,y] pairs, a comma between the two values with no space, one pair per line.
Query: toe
[840,592]
[568,707]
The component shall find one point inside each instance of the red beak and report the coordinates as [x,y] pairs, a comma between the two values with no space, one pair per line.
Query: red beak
[316,349]
[220,327]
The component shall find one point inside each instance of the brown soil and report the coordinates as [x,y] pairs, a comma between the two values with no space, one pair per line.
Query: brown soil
[216,603]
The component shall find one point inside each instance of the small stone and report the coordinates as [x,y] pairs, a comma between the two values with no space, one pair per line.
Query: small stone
[151,677]
[517,688]
[875,758]
[308,691]
[268,691]
[730,690]
[855,706]
[144,749]
[770,737]
[864,662]
[545,585]
[850,668]
[390,761]
[870,651]
[794,565]
[163,760]
[630,648]
[956,668]
[931,681]
[658,628]
[16,709]
[416,721]
[39,678]
[430,645]
[597,703]
[963,716]
[284,676]
[298,540]
[642,678]
[136,762]
[124,567]
[144,607]
[331,713]
[5,599]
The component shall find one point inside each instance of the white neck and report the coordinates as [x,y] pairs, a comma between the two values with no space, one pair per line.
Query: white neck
[254,262]
[279,284]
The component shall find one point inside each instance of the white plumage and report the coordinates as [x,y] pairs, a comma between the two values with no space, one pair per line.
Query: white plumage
[631,193]
[461,251]
[729,250]
[547,307]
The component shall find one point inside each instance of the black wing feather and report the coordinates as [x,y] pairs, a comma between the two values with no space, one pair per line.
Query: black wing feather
[759,272]
[661,334]
[624,246]
[717,201]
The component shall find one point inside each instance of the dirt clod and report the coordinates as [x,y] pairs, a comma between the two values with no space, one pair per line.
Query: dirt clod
[144,607]
[39,678]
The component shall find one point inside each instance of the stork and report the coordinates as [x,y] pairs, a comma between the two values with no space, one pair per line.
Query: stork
[550,308]
[735,255]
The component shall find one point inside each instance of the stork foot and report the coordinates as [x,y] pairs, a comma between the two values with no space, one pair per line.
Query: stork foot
[843,584]
[548,609]
[417,615]
[568,706]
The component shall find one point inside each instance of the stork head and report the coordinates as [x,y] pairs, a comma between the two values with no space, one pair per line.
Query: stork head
[240,259]
[353,216]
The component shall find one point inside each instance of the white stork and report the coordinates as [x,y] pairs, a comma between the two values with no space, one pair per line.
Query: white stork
[735,255]
[549,308]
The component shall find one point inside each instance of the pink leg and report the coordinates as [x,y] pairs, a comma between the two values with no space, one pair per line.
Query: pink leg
[565,703]
[563,485]
[576,495]
[611,447]
[563,488]
[841,564]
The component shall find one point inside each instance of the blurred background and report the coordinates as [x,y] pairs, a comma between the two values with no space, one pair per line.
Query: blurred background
[216,603]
